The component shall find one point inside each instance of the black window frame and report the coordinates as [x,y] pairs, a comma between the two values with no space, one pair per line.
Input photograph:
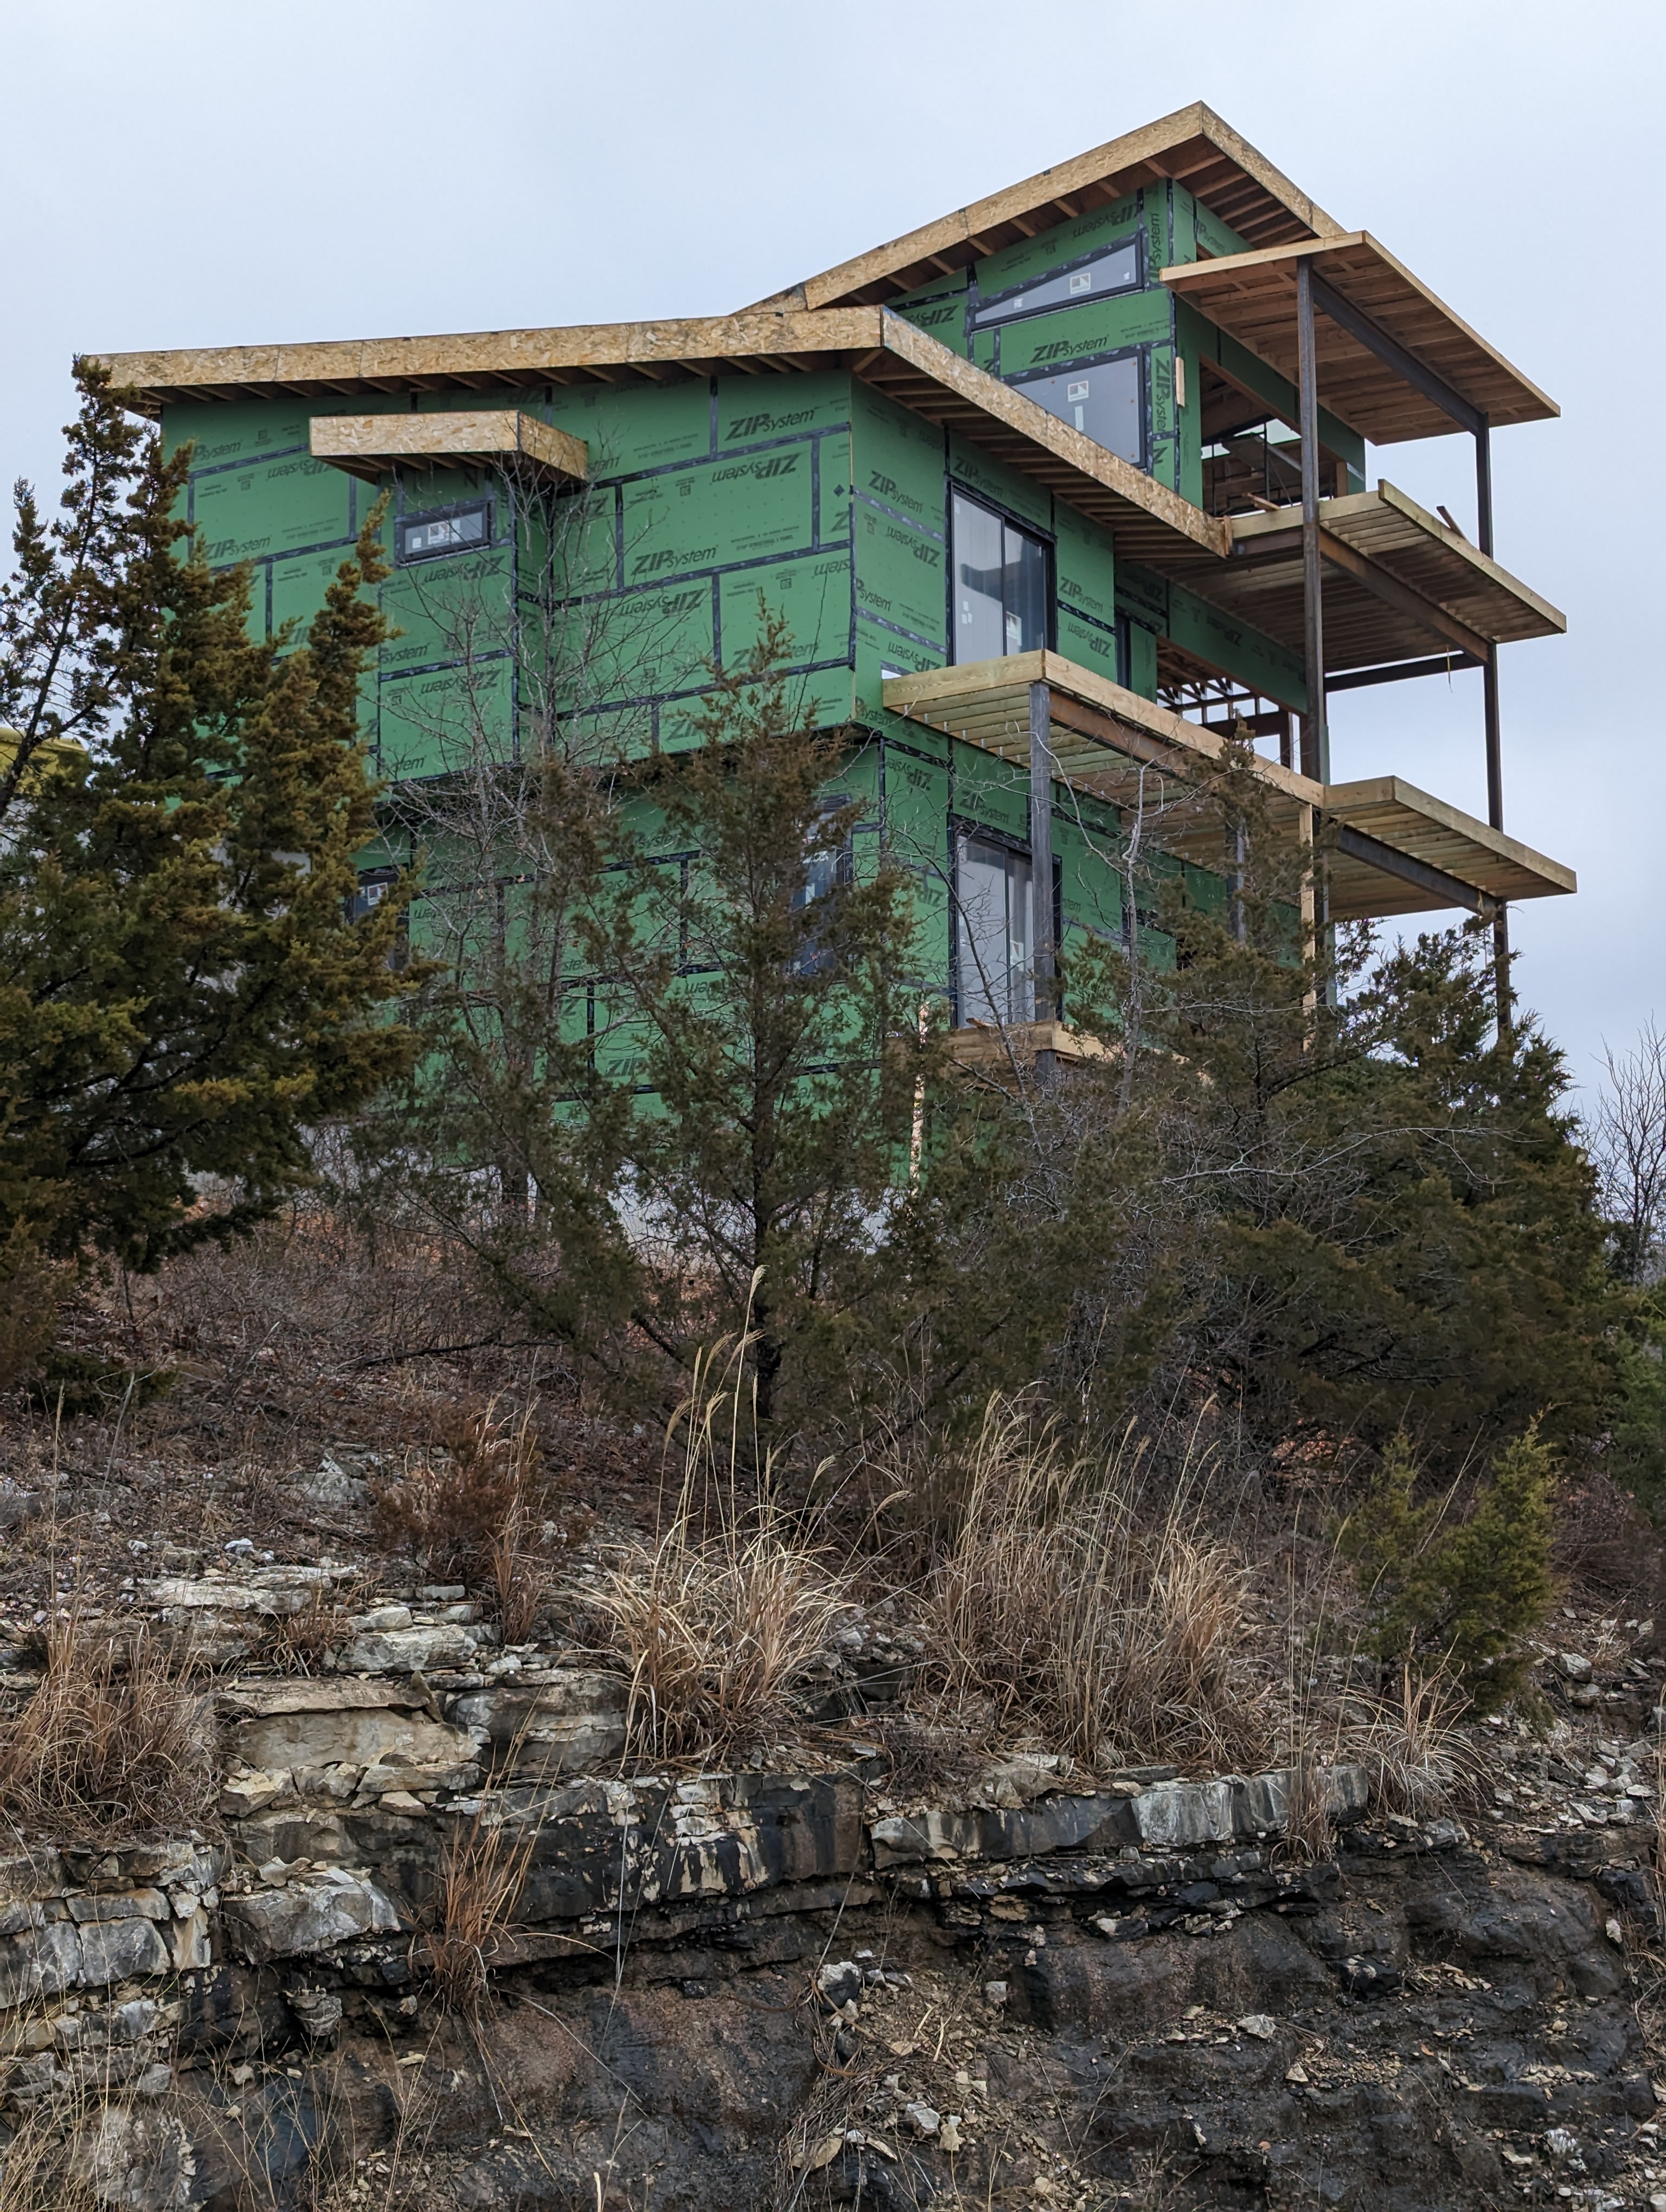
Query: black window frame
[1033,532]
[1021,380]
[991,315]
[422,517]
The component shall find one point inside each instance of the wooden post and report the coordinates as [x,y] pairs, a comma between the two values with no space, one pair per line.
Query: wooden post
[1310,920]
[1316,737]
[1042,950]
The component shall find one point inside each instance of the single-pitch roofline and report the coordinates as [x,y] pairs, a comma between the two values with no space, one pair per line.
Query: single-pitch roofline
[1192,146]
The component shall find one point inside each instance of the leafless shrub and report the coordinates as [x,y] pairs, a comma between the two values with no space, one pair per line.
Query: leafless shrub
[1056,1600]
[720,1617]
[455,1502]
[115,1741]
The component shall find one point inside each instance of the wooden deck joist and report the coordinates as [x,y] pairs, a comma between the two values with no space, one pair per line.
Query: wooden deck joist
[371,445]
[1398,585]
[1252,296]
[1397,850]
[1192,146]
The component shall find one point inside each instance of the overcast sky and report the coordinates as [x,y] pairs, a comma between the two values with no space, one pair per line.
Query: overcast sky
[201,171]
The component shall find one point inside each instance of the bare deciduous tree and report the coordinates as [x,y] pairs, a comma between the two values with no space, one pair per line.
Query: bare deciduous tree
[1627,1137]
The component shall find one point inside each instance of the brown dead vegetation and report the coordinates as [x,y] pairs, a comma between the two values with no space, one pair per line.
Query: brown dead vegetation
[115,1743]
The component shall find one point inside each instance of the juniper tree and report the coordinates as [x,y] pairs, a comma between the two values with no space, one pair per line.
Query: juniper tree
[184,990]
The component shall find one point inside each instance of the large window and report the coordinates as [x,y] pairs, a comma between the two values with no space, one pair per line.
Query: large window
[1001,583]
[994,941]
[1105,402]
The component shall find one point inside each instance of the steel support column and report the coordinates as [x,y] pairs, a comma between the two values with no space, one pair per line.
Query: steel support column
[1315,738]
[1494,727]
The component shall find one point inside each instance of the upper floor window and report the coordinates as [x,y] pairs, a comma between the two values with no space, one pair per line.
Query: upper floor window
[1116,271]
[444,530]
[999,584]
[1106,403]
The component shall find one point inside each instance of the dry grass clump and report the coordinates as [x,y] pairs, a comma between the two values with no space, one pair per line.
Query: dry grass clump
[473,1509]
[485,1870]
[1411,1743]
[720,1618]
[1060,1605]
[43,2168]
[115,1743]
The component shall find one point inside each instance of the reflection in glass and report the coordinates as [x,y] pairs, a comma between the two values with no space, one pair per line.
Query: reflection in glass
[1115,271]
[999,586]
[1103,402]
[994,983]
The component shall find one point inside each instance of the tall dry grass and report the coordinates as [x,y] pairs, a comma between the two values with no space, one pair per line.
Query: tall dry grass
[115,1743]
[481,1875]
[1073,1609]
[718,1618]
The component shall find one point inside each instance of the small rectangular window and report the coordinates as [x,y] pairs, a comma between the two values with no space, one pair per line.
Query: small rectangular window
[1115,271]
[1105,403]
[1000,585]
[447,529]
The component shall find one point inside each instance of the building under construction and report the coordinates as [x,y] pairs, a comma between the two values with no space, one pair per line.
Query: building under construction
[1054,494]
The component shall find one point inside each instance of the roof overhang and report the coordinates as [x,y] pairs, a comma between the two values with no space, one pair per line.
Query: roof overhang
[1393,848]
[372,445]
[1192,146]
[1252,296]
[1152,524]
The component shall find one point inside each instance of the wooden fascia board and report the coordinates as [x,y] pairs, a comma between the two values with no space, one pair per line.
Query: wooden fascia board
[857,336]
[342,364]
[1003,404]
[374,443]
[954,236]
[1358,802]
[1188,276]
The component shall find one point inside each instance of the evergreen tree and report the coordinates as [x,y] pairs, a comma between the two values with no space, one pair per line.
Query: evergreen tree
[183,988]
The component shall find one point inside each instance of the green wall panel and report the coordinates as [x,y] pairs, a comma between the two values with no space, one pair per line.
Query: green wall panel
[813,595]
[272,507]
[939,310]
[833,469]
[1112,325]
[1088,645]
[723,511]
[1049,249]
[1086,565]
[444,609]
[898,459]
[902,577]
[647,427]
[753,408]
[225,431]
[428,720]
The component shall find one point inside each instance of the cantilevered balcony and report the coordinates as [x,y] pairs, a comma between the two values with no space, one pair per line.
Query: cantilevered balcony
[1393,849]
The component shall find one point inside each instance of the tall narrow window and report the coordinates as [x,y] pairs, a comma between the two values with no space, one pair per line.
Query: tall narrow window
[1000,585]
[994,982]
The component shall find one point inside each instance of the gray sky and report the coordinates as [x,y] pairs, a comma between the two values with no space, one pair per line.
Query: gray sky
[201,171]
